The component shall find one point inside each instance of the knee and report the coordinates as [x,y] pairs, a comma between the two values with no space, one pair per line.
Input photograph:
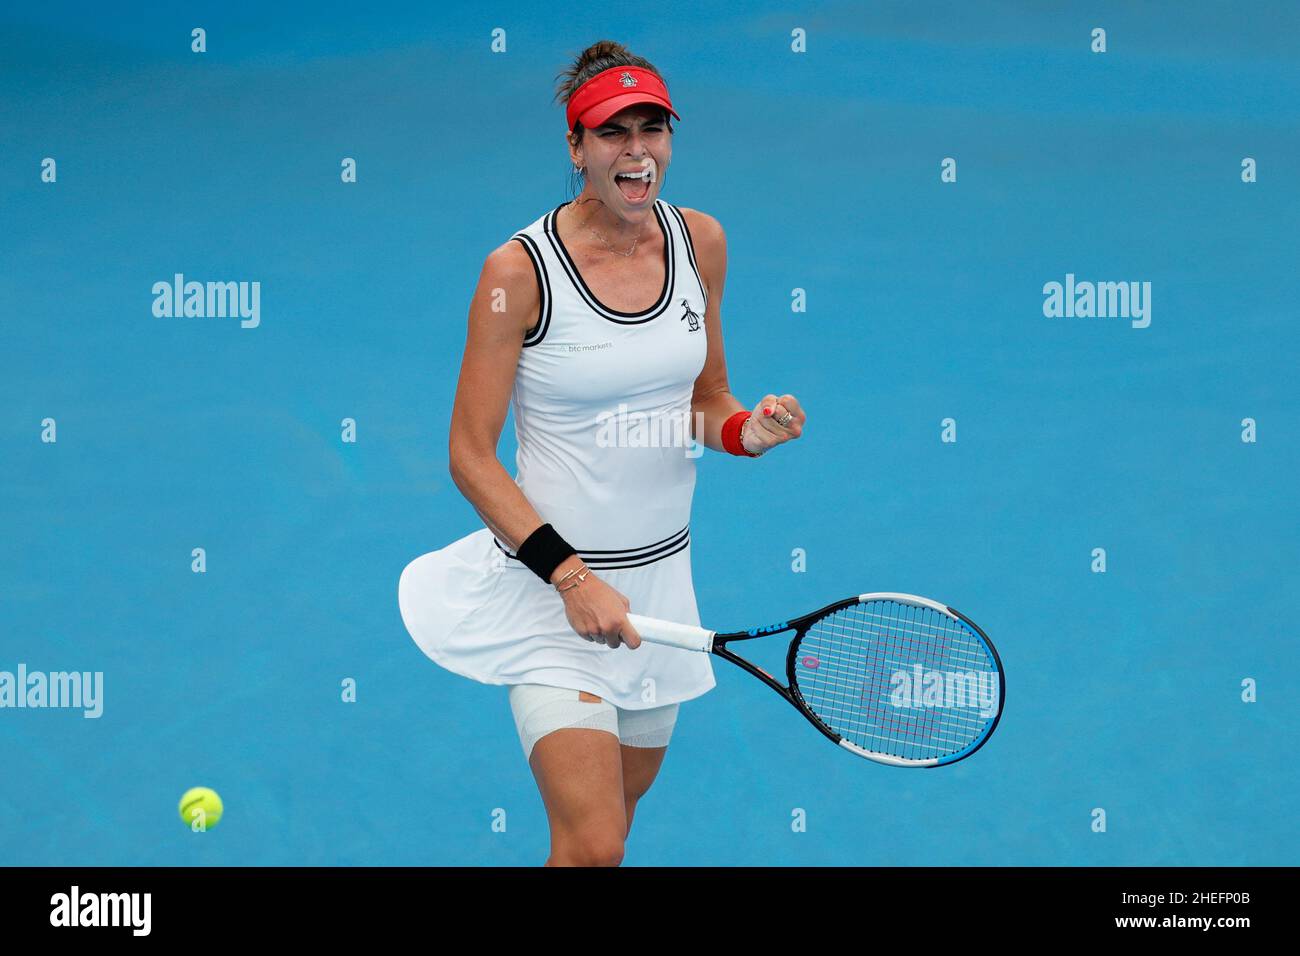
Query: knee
[608,853]
[590,850]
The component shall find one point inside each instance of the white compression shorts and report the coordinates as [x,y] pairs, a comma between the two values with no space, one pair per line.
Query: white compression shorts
[539,710]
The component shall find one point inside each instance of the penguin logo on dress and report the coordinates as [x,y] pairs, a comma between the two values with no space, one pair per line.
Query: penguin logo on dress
[692,320]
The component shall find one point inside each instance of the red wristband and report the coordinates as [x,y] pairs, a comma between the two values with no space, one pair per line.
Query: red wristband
[731,434]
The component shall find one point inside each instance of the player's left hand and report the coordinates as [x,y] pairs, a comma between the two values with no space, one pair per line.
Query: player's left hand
[765,430]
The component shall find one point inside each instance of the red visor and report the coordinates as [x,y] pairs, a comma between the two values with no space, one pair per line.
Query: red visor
[615,89]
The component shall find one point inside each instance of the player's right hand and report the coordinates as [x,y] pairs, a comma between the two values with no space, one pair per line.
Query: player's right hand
[598,613]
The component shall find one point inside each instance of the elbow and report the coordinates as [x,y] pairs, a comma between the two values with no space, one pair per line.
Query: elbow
[455,462]
[462,463]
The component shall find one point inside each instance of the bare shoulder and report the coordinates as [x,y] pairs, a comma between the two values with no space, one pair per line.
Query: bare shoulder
[509,268]
[706,232]
[509,262]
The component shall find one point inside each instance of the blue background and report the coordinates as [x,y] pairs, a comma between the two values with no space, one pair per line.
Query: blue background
[924,302]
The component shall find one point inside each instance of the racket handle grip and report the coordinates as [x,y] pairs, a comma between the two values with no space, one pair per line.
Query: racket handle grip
[686,636]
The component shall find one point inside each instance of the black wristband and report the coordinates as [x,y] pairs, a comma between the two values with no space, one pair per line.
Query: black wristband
[543,551]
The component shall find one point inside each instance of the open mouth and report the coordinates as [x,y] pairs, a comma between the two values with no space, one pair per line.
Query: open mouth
[635,187]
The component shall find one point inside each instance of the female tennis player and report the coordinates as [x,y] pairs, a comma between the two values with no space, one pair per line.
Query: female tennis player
[600,325]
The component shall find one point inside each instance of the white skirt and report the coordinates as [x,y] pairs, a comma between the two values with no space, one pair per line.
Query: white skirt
[482,615]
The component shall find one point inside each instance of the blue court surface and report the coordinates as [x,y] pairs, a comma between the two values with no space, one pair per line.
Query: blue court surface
[1157,692]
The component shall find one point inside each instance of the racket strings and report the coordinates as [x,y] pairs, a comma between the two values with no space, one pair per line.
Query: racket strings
[898,678]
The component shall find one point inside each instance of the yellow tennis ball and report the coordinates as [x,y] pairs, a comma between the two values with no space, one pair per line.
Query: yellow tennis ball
[201,808]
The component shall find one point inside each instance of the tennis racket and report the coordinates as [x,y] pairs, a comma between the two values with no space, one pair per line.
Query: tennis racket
[896,678]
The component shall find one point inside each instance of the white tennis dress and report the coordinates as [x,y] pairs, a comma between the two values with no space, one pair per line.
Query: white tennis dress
[602,403]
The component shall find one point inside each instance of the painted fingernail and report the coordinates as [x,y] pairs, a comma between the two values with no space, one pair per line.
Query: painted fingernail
[767,411]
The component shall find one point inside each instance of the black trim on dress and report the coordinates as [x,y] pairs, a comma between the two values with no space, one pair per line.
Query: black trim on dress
[690,251]
[609,560]
[580,285]
[538,331]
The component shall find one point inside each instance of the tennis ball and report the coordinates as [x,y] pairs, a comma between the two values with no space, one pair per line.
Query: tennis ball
[201,808]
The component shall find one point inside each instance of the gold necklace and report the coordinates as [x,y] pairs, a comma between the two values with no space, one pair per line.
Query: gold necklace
[587,221]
